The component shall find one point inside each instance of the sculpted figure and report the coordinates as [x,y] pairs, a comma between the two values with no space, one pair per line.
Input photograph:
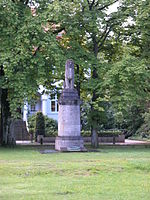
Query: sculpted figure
[69,74]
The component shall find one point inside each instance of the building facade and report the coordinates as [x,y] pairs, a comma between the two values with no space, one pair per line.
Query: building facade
[46,103]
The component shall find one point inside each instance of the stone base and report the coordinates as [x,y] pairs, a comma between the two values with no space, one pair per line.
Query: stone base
[69,143]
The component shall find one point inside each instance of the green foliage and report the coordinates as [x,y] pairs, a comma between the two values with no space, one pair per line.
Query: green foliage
[31,122]
[39,124]
[88,41]
[130,119]
[127,87]
[110,133]
[141,37]
[28,54]
[127,81]
[103,133]
[112,54]
[144,129]
[51,125]
[106,116]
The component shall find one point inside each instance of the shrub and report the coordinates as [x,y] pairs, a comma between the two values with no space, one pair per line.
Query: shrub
[31,133]
[144,130]
[51,125]
[31,123]
[39,124]
[104,133]
[86,133]
[109,133]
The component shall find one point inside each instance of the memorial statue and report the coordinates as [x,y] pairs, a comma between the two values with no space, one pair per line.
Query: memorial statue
[69,128]
[69,75]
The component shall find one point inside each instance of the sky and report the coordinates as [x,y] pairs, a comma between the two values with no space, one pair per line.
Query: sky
[113,8]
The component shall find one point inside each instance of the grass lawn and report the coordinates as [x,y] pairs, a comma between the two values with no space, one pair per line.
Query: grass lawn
[121,173]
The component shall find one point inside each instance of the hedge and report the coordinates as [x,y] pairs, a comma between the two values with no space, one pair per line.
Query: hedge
[50,127]
[103,133]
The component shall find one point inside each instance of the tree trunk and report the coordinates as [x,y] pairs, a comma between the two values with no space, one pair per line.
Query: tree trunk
[1,117]
[94,135]
[1,133]
[94,138]
[4,117]
[5,135]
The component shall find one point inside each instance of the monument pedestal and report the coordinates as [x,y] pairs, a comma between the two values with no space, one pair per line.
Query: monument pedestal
[69,143]
[69,128]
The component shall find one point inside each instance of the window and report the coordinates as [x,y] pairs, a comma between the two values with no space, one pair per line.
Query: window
[54,103]
[52,106]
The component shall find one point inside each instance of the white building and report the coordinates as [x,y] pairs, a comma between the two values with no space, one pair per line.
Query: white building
[47,104]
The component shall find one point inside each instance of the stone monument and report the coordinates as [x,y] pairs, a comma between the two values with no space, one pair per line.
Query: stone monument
[69,128]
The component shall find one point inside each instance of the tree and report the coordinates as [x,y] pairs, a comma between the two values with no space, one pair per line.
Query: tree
[28,54]
[43,37]
[39,124]
[89,29]
[128,79]
[4,109]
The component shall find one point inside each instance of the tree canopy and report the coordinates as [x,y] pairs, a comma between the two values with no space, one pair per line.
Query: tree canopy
[108,41]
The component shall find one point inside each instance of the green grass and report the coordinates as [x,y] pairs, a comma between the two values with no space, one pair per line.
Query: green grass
[111,174]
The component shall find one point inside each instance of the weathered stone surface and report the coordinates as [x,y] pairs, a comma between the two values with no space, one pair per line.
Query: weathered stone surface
[69,120]
[69,97]
[11,133]
[69,143]
[69,74]
[69,128]
[21,130]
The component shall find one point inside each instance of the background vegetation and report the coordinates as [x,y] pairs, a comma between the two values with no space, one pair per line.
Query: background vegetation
[51,126]
[110,49]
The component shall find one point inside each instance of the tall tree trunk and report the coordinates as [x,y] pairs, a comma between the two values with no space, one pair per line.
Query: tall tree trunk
[94,138]
[5,114]
[1,133]
[94,134]
[1,118]
[5,134]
